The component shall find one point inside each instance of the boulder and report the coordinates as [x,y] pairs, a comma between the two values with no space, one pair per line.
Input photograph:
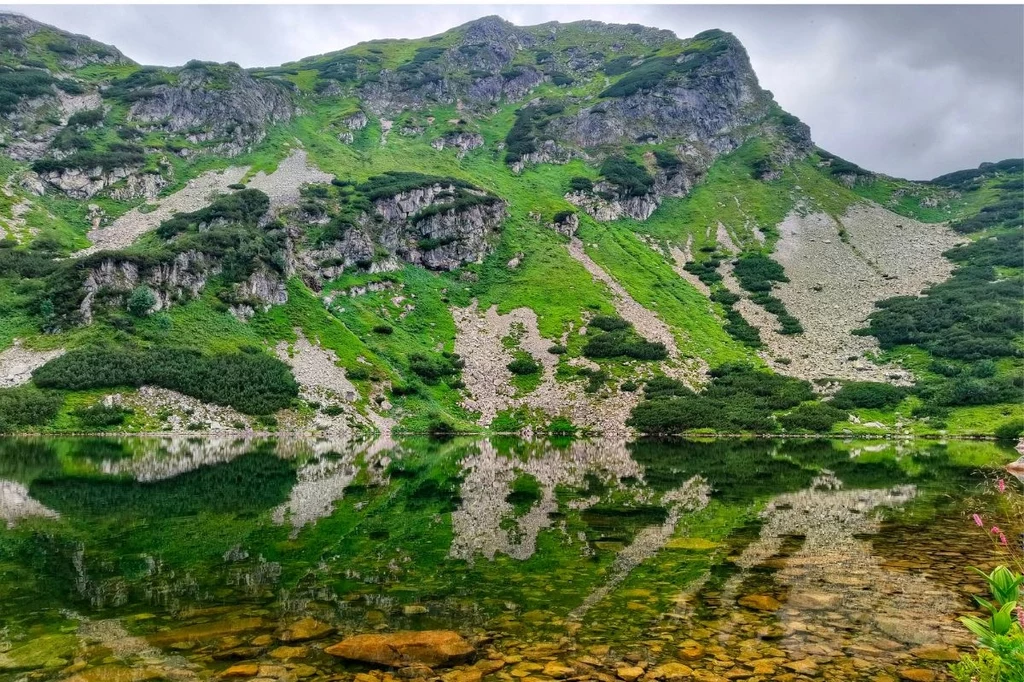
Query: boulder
[402,649]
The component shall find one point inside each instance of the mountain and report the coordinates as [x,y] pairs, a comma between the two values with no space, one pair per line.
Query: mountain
[557,228]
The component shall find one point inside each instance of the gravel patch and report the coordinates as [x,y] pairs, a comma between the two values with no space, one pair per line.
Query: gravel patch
[834,285]
[282,186]
[489,386]
[198,193]
[322,381]
[17,363]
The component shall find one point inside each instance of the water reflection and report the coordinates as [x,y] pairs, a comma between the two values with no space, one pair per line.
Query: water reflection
[756,547]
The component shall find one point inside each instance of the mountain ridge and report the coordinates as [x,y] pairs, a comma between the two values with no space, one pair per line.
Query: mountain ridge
[402,210]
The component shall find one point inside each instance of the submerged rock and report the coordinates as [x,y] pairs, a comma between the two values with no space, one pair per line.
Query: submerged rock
[48,651]
[400,649]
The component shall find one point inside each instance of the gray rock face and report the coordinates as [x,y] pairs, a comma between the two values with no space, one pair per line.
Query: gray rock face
[443,240]
[113,279]
[262,290]
[606,210]
[239,111]
[85,183]
[463,141]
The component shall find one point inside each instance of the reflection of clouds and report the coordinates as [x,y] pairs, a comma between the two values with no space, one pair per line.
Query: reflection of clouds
[17,504]
[485,523]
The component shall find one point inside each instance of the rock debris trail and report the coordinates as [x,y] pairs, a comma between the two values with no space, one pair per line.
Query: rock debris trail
[321,380]
[834,285]
[643,320]
[489,384]
[282,186]
[17,363]
[688,370]
[680,258]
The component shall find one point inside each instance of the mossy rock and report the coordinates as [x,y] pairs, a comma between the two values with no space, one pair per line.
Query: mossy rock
[48,651]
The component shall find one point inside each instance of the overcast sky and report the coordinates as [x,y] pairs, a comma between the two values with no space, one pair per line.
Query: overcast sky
[913,91]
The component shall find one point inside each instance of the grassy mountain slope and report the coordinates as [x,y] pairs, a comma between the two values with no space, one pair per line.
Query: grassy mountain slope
[583,172]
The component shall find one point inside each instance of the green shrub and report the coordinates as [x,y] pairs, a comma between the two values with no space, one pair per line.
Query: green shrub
[385,329]
[609,323]
[628,386]
[27,406]
[23,84]
[581,184]
[868,395]
[87,118]
[739,398]
[1011,430]
[100,416]
[562,426]
[815,417]
[667,161]
[623,344]
[141,301]
[432,368]
[523,366]
[359,373]
[631,178]
[558,350]
[255,383]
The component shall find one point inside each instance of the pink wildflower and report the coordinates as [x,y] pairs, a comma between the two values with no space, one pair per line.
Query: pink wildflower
[1002,539]
[995,529]
[1001,484]
[977,520]
[1020,616]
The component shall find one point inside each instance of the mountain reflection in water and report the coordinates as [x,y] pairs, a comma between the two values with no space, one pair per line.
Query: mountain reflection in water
[792,556]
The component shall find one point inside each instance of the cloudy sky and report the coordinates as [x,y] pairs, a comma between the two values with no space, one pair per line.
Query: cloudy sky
[913,91]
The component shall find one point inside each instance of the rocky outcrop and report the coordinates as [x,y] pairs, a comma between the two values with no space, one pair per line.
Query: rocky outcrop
[112,279]
[227,104]
[260,291]
[85,183]
[75,51]
[433,648]
[442,239]
[462,140]
[606,210]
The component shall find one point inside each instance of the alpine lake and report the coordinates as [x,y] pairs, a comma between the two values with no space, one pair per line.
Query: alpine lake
[229,558]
